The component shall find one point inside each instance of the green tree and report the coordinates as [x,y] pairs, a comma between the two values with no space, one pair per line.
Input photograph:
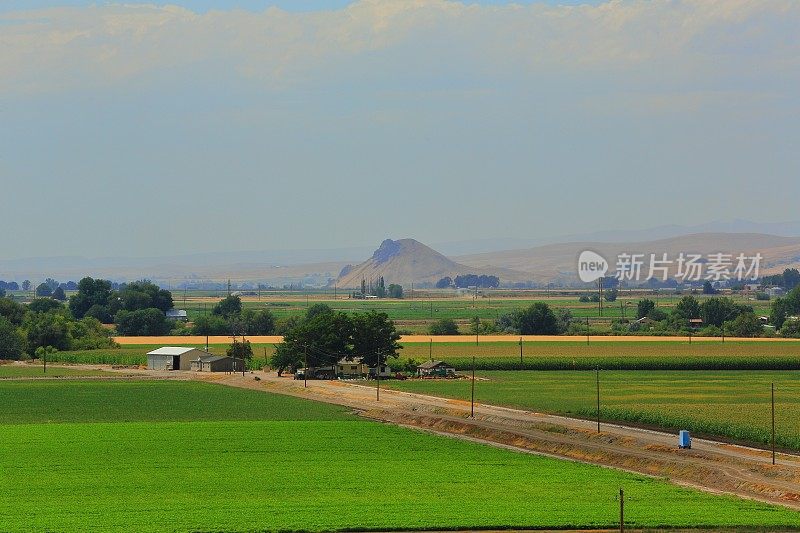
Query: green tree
[261,322]
[688,307]
[708,288]
[445,326]
[142,322]
[93,292]
[395,291]
[210,325]
[644,307]
[59,294]
[145,295]
[44,291]
[611,294]
[717,311]
[12,343]
[538,319]
[745,325]
[12,311]
[791,329]
[240,350]
[44,305]
[374,336]
[2,292]
[47,329]
[322,336]
[26,285]
[228,306]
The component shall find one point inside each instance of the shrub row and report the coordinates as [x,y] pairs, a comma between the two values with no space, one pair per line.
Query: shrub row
[630,363]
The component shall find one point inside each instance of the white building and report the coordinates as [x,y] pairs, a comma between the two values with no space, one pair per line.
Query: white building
[173,358]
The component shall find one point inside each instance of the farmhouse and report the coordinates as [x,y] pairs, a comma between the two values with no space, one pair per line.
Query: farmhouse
[435,369]
[384,372]
[173,358]
[351,367]
[216,363]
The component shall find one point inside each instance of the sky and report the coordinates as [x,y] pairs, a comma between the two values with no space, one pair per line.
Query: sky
[160,129]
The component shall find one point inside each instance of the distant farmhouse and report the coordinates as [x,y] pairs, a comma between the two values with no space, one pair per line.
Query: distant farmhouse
[177,314]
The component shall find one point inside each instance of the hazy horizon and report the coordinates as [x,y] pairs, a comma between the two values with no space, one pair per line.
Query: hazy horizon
[159,130]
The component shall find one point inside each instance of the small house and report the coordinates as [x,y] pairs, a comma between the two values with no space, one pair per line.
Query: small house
[316,372]
[173,358]
[351,368]
[696,323]
[177,314]
[383,371]
[216,363]
[435,369]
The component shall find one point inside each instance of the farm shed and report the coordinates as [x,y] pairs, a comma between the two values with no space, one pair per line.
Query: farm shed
[216,363]
[173,358]
[351,367]
[177,314]
[435,369]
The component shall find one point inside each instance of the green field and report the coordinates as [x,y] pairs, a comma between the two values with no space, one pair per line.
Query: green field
[560,355]
[414,314]
[733,404]
[255,461]
[27,371]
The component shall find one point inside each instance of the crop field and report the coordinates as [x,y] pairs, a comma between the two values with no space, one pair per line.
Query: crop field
[733,404]
[222,459]
[460,308]
[537,355]
[27,371]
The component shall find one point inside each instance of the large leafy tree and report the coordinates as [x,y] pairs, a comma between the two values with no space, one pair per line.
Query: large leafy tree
[44,290]
[12,311]
[93,292]
[644,307]
[12,343]
[142,322]
[444,326]
[374,337]
[228,306]
[44,305]
[47,329]
[717,311]
[145,295]
[538,319]
[688,307]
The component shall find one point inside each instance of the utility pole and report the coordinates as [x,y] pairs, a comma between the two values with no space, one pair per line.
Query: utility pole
[621,510]
[597,382]
[305,371]
[430,349]
[520,351]
[378,378]
[45,368]
[587,331]
[773,423]
[472,401]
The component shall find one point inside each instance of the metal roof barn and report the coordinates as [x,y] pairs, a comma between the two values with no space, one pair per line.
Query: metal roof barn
[173,358]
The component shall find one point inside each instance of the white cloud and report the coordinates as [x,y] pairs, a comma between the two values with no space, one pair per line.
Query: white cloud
[394,40]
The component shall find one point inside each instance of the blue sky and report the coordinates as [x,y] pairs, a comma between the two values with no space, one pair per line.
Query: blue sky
[144,131]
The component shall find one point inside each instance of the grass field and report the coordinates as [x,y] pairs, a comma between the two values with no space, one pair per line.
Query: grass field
[287,464]
[536,355]
[416,314]
[735,405]
[27,371]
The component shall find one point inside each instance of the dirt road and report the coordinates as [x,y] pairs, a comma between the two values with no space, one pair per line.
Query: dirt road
[275,339]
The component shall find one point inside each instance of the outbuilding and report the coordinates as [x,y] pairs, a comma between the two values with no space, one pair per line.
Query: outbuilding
[173,358]
[435,369]
[351,367]
[216,363]
[177,314]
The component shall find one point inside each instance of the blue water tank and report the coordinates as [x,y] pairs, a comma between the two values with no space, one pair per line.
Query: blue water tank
[684,440]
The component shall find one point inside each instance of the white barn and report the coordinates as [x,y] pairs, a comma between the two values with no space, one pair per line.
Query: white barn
[173,358]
